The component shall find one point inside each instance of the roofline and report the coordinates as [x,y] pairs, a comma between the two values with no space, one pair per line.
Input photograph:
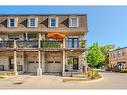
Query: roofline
[43,14]
[118,49]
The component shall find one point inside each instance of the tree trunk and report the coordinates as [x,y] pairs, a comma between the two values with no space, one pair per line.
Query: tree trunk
[92,73]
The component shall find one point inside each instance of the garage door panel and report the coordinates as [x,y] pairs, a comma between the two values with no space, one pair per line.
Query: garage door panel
[54,67]
[32,67]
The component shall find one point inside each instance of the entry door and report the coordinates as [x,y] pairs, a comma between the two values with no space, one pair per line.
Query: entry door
[11,63]
[75,63]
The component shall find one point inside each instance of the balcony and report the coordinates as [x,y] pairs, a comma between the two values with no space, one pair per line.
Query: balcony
[6,44]
[51,44]
[27,44]
[46,44]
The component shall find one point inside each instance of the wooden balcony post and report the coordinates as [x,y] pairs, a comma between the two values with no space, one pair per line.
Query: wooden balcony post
[14,43]
[64,43]
[39,40]
[26,36]
[15,63]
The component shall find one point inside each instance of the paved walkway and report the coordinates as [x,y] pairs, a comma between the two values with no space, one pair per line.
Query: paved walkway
[109,81]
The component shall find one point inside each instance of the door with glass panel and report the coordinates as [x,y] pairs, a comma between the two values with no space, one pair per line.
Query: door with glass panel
[73,42]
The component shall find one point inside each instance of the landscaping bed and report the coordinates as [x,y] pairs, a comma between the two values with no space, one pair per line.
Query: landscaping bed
[88,77]
[7,73]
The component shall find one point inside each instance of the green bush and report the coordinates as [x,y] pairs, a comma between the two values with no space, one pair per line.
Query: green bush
[123,71]
[95,74]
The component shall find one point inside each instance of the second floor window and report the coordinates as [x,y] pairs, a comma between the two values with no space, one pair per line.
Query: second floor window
[113,55]
[12,22]
[123,53]
[53,22]
[73,22]
[118,53]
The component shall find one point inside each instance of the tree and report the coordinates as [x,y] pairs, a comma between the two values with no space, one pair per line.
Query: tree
[94,56]
[105,50]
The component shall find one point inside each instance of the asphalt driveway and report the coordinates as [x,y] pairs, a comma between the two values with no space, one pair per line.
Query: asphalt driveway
[109,81]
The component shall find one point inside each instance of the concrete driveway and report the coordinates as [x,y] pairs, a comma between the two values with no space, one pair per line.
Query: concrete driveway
[109,81]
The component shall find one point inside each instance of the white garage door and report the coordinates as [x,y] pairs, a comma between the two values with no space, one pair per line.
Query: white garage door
[54,67]
[32,67]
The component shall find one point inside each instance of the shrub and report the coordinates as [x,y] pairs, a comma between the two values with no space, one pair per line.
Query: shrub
[95,74]
[116,69]
[123,71]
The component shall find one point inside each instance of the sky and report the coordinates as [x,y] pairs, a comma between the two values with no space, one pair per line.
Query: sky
[106,24]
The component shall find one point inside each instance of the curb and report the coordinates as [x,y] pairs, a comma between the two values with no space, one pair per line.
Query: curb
[96,80]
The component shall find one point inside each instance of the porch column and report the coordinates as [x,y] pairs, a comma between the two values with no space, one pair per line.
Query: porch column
[63,63]
[39,40]
[15,63]
[39,70]
[43,61]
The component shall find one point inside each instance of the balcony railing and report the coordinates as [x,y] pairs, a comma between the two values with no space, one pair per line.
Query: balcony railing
[44,44]
[51,44]
[6,44]
[27,44]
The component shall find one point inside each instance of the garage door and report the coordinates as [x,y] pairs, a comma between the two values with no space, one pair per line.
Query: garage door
[54,67]
[32,67]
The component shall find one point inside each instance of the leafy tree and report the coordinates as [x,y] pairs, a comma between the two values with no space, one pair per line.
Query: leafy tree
[94,56]
[105,50]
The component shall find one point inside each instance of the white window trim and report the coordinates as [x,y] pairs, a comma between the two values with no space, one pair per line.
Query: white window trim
[15,21]
[36,22]
[50,22]
[70,22]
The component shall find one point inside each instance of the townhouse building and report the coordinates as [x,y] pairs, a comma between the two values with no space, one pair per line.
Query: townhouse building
[25,46]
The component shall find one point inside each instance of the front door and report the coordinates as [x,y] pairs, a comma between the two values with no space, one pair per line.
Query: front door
[11,63]
[75,63]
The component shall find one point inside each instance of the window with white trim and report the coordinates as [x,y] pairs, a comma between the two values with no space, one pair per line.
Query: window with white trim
[53,22]
[32,22]
[12,22]
[73,22]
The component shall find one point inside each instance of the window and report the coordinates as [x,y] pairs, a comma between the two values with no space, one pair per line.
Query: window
[12,22]
[73,22]
[73,42]
[123,53]
[53,22]
[32,22]
[118,53]
[113,55]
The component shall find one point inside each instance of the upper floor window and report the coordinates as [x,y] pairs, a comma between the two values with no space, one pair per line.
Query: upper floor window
[73,22]
[118,53]
[32,22]
[12,22]
[123,53]
[113,55]
[53,22]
